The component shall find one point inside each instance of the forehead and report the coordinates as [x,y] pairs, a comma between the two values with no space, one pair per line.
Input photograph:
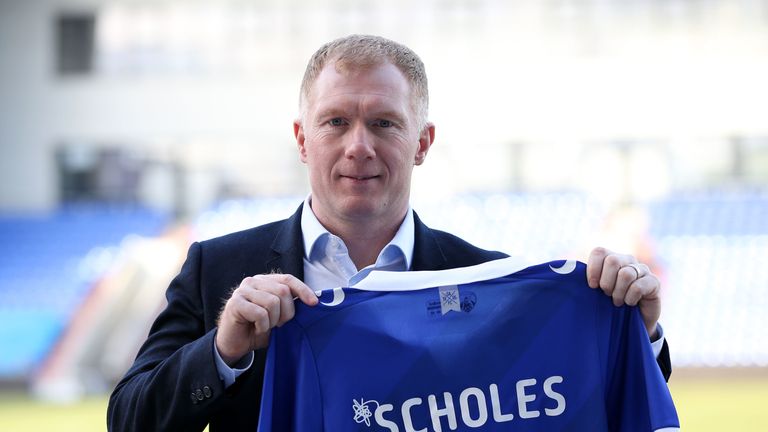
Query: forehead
[381,84]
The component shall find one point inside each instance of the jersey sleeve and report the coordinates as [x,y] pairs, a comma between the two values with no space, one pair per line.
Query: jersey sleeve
[637,396]
[291,398]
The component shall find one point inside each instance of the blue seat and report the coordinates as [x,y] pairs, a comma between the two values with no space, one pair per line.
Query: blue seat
[40,286]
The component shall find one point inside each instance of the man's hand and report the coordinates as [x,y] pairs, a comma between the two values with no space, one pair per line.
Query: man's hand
[256,306]
[627,282]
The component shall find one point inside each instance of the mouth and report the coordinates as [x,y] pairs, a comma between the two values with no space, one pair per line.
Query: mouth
[359,177]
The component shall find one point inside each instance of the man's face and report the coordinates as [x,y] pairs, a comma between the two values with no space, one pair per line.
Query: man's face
[360,139]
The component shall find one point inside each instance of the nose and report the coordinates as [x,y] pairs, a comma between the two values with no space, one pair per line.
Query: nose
[360,143]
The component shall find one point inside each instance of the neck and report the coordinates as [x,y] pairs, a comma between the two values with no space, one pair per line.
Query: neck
[364,239]
[364,248]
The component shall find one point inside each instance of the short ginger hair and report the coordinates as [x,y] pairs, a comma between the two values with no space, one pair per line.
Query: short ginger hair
[363,51]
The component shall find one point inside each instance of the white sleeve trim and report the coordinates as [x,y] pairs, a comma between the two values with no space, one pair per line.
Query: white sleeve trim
[658,344]
[668,429]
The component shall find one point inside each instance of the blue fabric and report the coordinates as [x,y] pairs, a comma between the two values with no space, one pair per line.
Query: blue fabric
[532,351]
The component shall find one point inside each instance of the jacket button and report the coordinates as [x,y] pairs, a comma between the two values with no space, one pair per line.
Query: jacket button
[207,392]
[199,394]
[194,398]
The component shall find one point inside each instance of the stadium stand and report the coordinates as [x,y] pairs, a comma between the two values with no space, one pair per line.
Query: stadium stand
[713,247]
[54,290]
[49,266]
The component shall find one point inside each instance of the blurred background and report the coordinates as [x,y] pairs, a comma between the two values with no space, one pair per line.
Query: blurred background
[130,128]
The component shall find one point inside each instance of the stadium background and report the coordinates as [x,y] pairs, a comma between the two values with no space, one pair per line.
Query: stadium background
[129,128]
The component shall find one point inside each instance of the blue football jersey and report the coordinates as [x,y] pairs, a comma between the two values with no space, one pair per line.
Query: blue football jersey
[485,348]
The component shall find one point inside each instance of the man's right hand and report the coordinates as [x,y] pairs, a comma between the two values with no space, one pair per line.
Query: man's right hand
[256,306]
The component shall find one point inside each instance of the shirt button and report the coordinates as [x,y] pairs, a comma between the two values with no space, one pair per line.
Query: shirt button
[207,392]
[194,398]
[199,394]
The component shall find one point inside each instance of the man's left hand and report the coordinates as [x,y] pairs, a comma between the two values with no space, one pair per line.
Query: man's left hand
[628,282]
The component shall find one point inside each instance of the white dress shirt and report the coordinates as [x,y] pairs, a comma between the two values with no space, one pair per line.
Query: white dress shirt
[327,265]
[326,259]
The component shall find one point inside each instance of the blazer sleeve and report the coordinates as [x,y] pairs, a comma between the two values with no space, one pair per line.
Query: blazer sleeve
[173,383]
[664,362]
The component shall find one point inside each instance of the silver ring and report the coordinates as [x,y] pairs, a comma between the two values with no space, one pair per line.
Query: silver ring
[636,268]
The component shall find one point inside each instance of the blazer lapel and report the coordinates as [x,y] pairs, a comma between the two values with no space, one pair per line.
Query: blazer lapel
[427,254]
[288,248]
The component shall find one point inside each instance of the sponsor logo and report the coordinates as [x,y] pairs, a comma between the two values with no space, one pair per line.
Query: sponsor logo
[451,299]
[363,411]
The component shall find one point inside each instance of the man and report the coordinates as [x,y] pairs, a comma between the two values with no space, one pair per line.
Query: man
[362,128]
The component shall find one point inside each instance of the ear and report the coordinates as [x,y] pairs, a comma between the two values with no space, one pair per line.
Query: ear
[298,132]
[426,138]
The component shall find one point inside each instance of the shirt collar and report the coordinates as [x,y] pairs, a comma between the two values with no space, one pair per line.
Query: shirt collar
[316,236]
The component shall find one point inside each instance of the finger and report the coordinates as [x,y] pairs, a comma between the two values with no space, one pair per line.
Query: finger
[265,300]
[595,265]
[285,288]
[649,302]
[282,292]
[300,290]
[642,269]
[246,310]
[647,287]
[611,266]
[625,277]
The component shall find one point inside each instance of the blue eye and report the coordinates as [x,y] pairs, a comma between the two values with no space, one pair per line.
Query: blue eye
[336,121]
[384,123]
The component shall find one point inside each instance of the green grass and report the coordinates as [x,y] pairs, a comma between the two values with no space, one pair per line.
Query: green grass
[20,413]
[704,404]
[721,403]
